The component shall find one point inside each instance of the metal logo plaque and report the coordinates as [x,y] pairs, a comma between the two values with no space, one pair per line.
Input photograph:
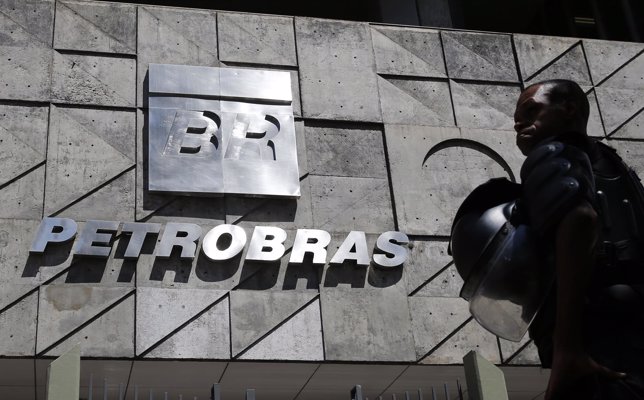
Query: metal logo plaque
[215,131]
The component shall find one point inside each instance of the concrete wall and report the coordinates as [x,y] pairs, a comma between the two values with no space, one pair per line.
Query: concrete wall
[395,126]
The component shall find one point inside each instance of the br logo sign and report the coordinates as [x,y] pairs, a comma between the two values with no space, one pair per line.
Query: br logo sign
[216,131]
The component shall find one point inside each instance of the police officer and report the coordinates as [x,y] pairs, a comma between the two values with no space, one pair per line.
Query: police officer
[563,252]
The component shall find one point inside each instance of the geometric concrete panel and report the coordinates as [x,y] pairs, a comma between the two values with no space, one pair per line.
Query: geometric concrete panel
[28,124]
[18,328]
[79,160]
[633,129]
[337,70]
[113,202]
[628,76]
[159,312]
[337,149]
[23,198]
[207,337]
[31,18]
[631,152]
[534,53]
[299,338]
[116,128]
[343,204]
[20,273]
[85,79]
[256,313]
[446,284]
[64,308]
[527,356]
[595,127]
[282,213]
[23,147]
[174,36]
[618,105]
[605,57]
[509,350]
[483,105]
[408,51]
[479,56]
[26,73]
[570,65]
[110,335]
[105,28]
[434,169]
[258,39]
[470,337]
[417,102]
[366,324]
[426,258]
[434,318]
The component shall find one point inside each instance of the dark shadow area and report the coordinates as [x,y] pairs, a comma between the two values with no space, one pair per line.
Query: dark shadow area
[86,270]
[262,210]
[216,271]
[181,267]
[259,276]
[347,272]
[381,277]
[55,254]
[307,270]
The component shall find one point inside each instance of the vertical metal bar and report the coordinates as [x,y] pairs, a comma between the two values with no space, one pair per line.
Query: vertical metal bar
[356,392]
[91,387]
[136,392]
[446,391]
[393,396]
[180,397]
[121,391]
[215,392]
[433,394]
[420,394]
[407,395]
[151,394]
[165,395]
[250,394]
[460,390]
[104,388]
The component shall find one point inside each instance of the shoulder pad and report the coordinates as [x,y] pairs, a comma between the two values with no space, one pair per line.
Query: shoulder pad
[555,178]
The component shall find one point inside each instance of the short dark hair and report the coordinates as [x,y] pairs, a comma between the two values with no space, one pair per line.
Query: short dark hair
[564,90]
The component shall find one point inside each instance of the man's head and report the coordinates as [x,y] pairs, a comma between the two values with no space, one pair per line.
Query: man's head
[547,109]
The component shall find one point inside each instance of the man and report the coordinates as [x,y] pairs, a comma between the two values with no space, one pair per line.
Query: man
[582,212]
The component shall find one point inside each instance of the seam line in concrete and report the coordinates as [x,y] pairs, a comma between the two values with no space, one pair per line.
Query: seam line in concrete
[448,337]
[23,174]
[431,278]
[554,60]
[618,69]
[86,323]
[264,336]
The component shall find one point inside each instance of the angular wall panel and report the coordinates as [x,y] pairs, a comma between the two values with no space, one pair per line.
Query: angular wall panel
[99,27]
[483,105]
[337,70]
[408,51]
[259,39]
[417,102]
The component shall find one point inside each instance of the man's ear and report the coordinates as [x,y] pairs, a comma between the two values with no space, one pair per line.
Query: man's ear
[571,109]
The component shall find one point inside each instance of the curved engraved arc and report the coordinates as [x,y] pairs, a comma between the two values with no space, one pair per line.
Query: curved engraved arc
[474,145]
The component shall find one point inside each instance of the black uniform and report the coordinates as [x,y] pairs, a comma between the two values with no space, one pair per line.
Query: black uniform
[614,311]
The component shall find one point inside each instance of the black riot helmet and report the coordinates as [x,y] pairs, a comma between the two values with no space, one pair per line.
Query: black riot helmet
[498,260]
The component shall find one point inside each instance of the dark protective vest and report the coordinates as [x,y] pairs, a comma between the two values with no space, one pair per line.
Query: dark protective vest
[618,274]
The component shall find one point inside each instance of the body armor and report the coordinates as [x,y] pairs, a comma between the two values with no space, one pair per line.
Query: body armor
[501,248]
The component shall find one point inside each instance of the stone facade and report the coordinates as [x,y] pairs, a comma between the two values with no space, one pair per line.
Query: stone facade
[395,125]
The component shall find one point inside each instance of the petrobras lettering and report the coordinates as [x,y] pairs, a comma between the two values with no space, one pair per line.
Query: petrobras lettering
[221,243]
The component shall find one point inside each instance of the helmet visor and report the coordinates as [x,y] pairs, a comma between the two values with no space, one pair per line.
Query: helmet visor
[514,286]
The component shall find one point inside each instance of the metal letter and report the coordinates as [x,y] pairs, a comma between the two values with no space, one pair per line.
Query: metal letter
[90,235]
[237,242]
[53,230]
[139,231]
[312,241]
[355,239]
[397,252]
[252,138]
[190,234]
[260,240]
[194,133]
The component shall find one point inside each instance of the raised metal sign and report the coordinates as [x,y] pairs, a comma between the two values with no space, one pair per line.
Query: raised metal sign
[213,131]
